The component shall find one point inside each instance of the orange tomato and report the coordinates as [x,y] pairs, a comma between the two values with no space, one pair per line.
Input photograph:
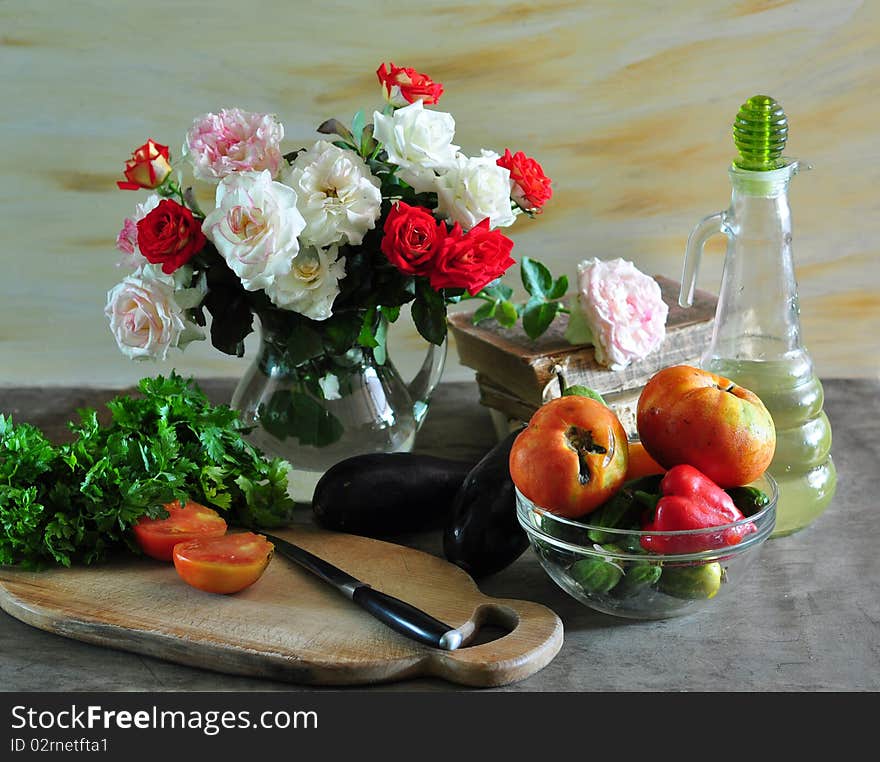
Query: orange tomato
[689,416]
[157,537]
[641,463]
[571,457]
[223,564]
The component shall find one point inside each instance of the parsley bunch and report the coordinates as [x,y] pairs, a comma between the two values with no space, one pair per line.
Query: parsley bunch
[76,502]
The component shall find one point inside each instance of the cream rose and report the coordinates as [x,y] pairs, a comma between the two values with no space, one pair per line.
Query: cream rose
[148,314]
[475,189]
[418,141]
[312,283]
[255,227]
[620,310]
[337,195]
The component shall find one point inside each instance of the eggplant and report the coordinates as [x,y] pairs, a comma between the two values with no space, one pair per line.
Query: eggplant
[483,535]
[384,494]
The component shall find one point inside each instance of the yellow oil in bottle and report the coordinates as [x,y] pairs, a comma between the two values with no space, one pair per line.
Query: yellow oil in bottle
[802,465]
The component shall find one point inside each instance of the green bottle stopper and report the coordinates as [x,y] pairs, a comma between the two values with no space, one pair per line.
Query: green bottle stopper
[760,132]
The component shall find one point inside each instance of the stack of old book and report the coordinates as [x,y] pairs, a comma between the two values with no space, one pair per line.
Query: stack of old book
[516,374]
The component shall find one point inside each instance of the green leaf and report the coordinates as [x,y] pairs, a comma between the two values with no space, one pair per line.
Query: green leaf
[535,277]
[578,330]
[391,313]
[297,415]
[560,286]
[485,311]
[367,335]
[508,315]
[358,122]
[335,127]
[498,291]
[304,343]
[212,440]
[583,391]
[537,316]
[429,312]
[368,142]
[341,331]
[231,318]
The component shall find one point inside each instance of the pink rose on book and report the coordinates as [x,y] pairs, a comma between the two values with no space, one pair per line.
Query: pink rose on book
[619,310]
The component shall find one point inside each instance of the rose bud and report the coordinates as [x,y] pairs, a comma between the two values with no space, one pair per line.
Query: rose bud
[147,168]
[403,86]
[531,187]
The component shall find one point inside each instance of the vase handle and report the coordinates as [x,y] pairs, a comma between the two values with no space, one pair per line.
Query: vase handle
[422,386]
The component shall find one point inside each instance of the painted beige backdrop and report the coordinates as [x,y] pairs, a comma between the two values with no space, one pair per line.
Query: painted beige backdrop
[627,104]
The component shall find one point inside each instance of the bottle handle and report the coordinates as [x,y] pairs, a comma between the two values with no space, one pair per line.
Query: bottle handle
[425,381]
[704,230]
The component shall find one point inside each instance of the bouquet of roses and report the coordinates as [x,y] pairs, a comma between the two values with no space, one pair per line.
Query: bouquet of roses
[328,241]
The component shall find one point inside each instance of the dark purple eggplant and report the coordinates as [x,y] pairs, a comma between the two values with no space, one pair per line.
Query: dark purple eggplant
[483,535]
[385,494]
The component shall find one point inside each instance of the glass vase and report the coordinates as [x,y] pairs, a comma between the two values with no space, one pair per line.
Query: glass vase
[317,412]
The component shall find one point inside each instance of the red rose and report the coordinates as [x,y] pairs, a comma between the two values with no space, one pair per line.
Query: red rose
[531,188]
[169,235]
[404,86]
[473,259]
[412,238]
[147,168]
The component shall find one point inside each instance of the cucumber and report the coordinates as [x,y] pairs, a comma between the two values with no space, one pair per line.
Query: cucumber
[692,582]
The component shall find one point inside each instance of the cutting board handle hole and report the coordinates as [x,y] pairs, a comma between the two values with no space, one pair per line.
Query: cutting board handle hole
[492,623]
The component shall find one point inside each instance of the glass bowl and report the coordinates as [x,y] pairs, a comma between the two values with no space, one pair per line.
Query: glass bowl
[610,571]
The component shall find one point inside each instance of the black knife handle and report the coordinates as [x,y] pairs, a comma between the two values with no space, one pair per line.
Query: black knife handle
[406,619]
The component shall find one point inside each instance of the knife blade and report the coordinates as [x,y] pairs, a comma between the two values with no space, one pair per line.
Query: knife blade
[399,615]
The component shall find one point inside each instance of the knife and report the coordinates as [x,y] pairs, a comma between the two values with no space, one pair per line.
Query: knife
[397,614]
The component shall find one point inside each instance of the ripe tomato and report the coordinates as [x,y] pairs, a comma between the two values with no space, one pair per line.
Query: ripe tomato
[223,564]
[641,463]
[689,416]
[157,537]
[571,457]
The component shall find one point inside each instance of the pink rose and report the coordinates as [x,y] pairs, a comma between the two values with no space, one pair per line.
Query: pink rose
[620,310]
[233,141]
[127,240]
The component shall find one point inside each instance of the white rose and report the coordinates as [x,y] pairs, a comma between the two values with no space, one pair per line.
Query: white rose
[255,226]
[337,195]
[475,189]
[147,316]
[418,141]
[312,283]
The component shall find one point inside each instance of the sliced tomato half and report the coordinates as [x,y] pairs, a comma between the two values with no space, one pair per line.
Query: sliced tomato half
[157,537]
[223,564]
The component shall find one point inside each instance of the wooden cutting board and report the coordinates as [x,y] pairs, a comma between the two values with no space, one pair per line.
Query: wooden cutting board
[290,625]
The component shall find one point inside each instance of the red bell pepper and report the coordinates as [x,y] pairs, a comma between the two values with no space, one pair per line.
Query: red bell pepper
[691,500]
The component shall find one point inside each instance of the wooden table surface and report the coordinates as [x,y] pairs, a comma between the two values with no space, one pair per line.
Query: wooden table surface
[808,619]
